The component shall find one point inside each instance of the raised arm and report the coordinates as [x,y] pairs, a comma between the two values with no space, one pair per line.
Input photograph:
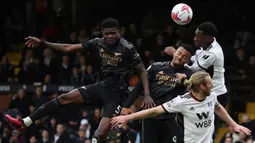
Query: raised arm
[170,50]
[35,42]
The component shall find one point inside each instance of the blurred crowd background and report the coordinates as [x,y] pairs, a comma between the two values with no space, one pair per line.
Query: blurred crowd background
[30,77]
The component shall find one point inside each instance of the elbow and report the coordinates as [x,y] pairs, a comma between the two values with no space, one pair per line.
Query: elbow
[217,109]
[157,111]
[67,48]
[143,72]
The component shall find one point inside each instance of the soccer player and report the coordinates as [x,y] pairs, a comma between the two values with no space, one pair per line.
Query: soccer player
[209,58]
[164,79]
[197,107]
[118,58]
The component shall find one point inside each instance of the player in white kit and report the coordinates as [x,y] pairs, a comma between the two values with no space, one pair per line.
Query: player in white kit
[197,107]
[209,58]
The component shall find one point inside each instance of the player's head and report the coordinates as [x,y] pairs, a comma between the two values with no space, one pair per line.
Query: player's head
[200,82]
[205,34]
[182,55]
[110,30]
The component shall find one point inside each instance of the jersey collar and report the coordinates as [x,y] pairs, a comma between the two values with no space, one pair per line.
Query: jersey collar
[212,45]
[196,98]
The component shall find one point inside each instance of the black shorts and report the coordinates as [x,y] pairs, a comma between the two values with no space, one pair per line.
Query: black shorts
[96,94]
[161,131]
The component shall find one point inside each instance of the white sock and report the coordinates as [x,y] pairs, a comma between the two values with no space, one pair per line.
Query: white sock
[27,121]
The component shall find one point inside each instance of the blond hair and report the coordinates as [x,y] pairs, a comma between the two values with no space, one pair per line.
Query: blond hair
[196,80]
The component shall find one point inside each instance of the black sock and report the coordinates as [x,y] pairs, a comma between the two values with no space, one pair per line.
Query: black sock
[47,108]
[124,136]
[97,140]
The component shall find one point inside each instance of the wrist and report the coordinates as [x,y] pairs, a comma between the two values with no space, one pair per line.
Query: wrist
[232,124]
[42,42]
[146,92]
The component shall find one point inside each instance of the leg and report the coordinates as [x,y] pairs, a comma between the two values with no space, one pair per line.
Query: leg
[103,130]
[149,131]
[112,107]
[73,97]
[53,106]
[170,131]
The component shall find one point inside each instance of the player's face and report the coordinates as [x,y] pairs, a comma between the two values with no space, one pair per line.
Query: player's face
[206,88]
[111,35]
[180,57]
[200,39]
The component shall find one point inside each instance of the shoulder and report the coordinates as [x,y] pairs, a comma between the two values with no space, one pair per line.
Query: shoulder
[160,64]
[209,54]
[181,99]
[125,43]
[96,40]
[185,96]
[215,48]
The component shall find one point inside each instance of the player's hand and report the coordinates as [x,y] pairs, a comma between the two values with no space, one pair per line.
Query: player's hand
[148,102]
[32,41]
[170,50]
[118,121]
[239,128]
[181,76]
[126,111]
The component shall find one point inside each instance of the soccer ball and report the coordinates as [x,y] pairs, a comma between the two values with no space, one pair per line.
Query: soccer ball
[182,14]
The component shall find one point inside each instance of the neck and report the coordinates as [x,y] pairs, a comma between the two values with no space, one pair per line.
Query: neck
[172,65]
[207,45]
[198,95]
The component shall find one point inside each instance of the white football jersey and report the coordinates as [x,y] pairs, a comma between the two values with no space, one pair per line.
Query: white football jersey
[211,59]
[198,116]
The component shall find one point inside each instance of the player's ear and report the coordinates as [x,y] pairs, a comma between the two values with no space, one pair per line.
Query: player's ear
[202,86]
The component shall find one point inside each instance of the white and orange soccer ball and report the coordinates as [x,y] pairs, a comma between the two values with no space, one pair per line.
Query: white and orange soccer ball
[182,14]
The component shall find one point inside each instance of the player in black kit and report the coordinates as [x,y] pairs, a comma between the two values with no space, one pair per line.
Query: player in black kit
[166,80]
[118,58]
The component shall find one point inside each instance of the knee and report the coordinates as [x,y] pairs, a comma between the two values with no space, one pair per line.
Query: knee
[102,134]
[62,99]
[99,137]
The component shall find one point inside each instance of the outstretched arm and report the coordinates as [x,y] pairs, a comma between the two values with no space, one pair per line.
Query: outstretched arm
[62,47]
[35,42]
[148,113]
[122,120]
[173,106]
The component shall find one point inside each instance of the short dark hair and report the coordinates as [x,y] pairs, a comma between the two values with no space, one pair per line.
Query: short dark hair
[110,23]
[208,28]
[188,48]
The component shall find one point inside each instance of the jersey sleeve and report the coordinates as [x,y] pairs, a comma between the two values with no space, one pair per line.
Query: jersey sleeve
[215,100]
[173,106]
[206,60]
[90,44]
[192,59]
[135,57]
